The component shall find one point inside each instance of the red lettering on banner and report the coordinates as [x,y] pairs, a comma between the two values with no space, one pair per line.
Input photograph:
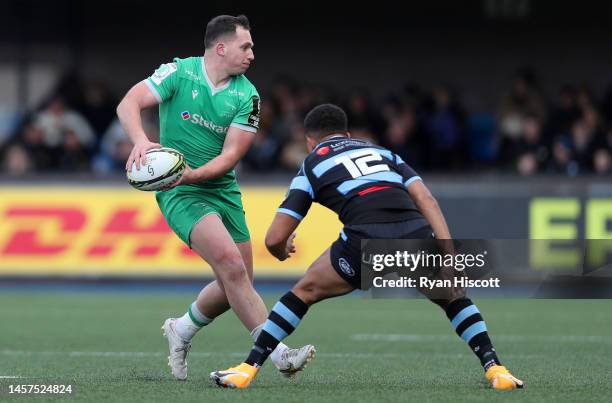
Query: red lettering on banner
[148,250]
[27,241]
[123,221]
[123,224]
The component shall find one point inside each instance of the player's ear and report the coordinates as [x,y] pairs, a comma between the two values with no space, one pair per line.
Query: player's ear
[310,143]
[220,49]
[348,134]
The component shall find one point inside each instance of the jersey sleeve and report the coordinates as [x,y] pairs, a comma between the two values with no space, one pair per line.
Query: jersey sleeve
[248,115]
[299,197]
[163,82]
[409,175]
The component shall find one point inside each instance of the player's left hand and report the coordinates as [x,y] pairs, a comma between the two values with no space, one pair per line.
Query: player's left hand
[187,178]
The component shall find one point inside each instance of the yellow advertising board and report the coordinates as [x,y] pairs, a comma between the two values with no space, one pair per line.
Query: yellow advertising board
[120,231]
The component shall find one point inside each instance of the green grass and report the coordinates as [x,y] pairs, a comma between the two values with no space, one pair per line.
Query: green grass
[562,350]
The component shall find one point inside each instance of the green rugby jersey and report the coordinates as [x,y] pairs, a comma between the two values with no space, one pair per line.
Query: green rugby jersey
[194,115]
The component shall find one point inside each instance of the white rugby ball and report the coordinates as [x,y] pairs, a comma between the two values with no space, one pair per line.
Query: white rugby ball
[162,167]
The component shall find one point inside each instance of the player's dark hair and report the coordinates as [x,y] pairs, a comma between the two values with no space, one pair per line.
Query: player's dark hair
[223,25]
[324,120]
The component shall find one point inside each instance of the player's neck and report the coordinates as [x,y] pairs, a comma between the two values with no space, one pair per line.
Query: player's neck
[331,136]
[217,76]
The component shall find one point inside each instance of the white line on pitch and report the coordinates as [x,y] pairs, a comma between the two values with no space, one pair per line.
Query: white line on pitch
[384,337]
[146,354]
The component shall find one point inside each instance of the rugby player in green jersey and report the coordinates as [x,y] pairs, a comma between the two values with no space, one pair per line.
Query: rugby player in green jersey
[209,111]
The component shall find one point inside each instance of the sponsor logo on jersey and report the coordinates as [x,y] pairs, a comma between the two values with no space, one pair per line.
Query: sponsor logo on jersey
[194,94]
[230,105]
[200,121]
[192,74]
[163,72]
[236,92]
[346,267]
[323,150]
[185,115]
[255,112]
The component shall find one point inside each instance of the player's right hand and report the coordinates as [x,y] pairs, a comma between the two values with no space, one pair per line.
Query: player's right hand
[290,247]
[138,154]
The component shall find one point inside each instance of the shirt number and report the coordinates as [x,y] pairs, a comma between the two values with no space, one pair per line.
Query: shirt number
[357,163]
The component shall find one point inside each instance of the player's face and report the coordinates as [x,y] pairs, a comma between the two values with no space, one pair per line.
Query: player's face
[239,52]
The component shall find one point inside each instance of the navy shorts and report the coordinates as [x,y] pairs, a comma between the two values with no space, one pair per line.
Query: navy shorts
[346,250]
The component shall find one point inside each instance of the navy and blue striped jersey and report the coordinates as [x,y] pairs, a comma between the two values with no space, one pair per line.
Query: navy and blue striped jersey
[363,183]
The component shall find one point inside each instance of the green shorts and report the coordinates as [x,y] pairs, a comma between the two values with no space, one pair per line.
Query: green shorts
[184,206]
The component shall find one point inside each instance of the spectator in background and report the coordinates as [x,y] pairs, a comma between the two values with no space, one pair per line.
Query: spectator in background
[563,114]
[16,161]
[583,145]
[584,97]
[523,101]
[444,126]
[603,155]
[57,119]
[531,153]
[403,135]
[44,158]
[365,121]
[602,162]
[74,157]
[98,107]
[526,153]
[263,154]
[561,161]
[294,153]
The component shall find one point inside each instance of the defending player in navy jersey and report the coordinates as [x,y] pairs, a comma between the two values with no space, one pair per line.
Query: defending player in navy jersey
[376,196]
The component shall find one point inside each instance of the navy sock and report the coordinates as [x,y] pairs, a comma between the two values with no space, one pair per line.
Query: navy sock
[470,326]
[282,321]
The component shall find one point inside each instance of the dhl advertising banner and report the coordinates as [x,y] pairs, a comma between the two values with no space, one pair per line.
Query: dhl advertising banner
[118,231]
[115,231]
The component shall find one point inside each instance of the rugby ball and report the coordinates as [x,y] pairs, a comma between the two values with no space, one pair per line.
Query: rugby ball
[162,167]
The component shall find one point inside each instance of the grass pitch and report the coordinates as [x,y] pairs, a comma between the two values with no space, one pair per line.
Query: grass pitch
[108,346]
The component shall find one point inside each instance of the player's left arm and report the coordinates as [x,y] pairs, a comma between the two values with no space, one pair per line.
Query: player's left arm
[423,199]
[237,143]
[238,140]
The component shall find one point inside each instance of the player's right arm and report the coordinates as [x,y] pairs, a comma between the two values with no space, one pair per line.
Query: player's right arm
[280,235]
[158,88]
[137,98]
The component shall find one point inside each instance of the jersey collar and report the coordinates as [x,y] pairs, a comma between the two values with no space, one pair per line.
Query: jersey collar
[214,90]
[336,137]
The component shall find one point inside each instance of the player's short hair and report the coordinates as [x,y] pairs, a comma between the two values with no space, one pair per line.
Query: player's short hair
[324,120]
[223,25]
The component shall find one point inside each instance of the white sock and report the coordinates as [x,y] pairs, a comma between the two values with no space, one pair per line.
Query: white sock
[189,324]
[275,356]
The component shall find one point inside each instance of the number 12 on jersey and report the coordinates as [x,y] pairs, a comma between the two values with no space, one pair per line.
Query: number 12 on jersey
[357,163]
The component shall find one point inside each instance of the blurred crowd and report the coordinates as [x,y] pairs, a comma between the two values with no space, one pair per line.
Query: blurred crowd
[569,133]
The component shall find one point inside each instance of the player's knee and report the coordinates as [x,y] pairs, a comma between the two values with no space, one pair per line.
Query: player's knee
[235,276]
[308,291]
[231,268]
